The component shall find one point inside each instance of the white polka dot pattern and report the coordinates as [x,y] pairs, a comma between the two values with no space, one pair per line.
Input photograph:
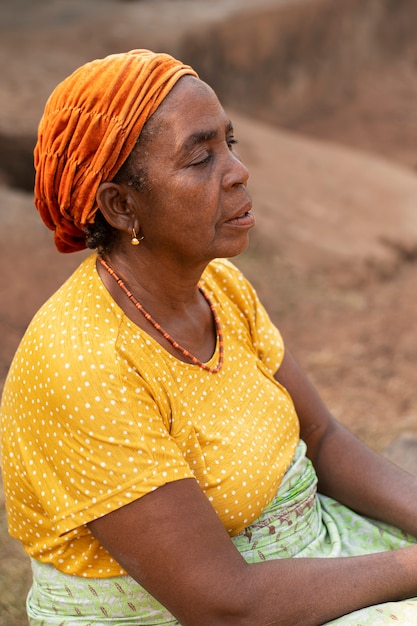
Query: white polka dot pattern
[95,414]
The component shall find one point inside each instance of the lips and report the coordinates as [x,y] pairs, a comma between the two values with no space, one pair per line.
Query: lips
[244,218]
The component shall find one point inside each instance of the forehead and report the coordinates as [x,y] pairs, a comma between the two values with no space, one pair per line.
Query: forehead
[191,108]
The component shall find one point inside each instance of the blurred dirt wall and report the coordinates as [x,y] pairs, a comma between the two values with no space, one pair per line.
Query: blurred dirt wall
[286,62]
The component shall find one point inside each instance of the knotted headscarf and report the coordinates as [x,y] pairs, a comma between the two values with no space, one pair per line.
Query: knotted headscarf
[90,125]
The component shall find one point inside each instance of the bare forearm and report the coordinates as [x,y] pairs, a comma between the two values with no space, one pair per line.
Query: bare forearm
[310,592]
[347,470]
[365,481]
[184,558]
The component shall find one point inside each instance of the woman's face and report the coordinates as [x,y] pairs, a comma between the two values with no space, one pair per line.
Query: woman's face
[196,206]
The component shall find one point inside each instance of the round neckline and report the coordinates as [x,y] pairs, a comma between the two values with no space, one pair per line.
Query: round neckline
[126,320]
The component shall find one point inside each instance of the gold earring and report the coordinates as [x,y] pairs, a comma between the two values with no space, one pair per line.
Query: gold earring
[134,240]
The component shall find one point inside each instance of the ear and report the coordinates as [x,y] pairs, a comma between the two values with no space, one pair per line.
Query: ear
[115,202]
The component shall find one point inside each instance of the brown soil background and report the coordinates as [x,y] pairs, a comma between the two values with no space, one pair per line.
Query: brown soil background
[324,105]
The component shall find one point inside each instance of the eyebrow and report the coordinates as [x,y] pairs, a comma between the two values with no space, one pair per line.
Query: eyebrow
[201,137]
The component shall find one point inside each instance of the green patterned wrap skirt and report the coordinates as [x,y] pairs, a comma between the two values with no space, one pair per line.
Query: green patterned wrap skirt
[297,523]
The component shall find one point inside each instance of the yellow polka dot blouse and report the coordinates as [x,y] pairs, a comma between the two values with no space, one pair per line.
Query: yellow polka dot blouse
[95,413]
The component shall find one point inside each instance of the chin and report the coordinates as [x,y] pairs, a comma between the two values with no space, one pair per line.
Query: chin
[236,250]
[231,248]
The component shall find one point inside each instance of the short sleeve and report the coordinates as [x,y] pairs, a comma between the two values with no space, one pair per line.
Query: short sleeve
[231,286]
[111,446]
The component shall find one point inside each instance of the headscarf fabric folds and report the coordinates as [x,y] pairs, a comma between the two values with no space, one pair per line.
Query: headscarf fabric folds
[90,125]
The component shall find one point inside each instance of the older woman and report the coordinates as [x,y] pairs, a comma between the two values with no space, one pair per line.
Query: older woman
[161,452]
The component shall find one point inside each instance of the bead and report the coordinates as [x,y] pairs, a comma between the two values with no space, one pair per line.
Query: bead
[175,344]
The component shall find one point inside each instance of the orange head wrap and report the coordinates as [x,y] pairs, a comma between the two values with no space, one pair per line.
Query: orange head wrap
[90,125]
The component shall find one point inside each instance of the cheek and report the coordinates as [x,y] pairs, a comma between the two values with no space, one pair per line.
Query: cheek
[185,201]
[182,200]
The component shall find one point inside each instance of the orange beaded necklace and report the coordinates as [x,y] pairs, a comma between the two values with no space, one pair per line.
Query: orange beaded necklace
[163,332]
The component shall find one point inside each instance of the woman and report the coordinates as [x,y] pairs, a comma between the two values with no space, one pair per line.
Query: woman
[158,443]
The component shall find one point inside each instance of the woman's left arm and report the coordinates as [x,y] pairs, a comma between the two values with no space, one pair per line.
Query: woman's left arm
[347,470]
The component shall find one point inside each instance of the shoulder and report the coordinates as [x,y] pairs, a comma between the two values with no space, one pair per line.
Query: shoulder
[222,270]
[75,314]
[238,299]
[76,295]
[221,275]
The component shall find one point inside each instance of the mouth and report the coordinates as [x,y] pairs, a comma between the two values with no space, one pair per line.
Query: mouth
[245,218]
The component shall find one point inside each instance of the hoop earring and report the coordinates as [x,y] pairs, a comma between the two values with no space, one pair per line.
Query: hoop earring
[134,240]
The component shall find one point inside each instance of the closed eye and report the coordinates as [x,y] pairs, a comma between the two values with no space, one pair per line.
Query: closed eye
[231,141]
[203,161]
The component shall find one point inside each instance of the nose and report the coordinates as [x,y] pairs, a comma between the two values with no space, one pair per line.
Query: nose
[236,171]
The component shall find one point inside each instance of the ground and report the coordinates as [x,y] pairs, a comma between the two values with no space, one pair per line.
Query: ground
[334,253]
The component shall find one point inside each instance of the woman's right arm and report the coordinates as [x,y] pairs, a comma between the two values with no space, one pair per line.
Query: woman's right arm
[172,542]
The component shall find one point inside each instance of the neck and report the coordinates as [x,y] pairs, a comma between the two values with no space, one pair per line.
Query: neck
[174,343]
[160,284]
